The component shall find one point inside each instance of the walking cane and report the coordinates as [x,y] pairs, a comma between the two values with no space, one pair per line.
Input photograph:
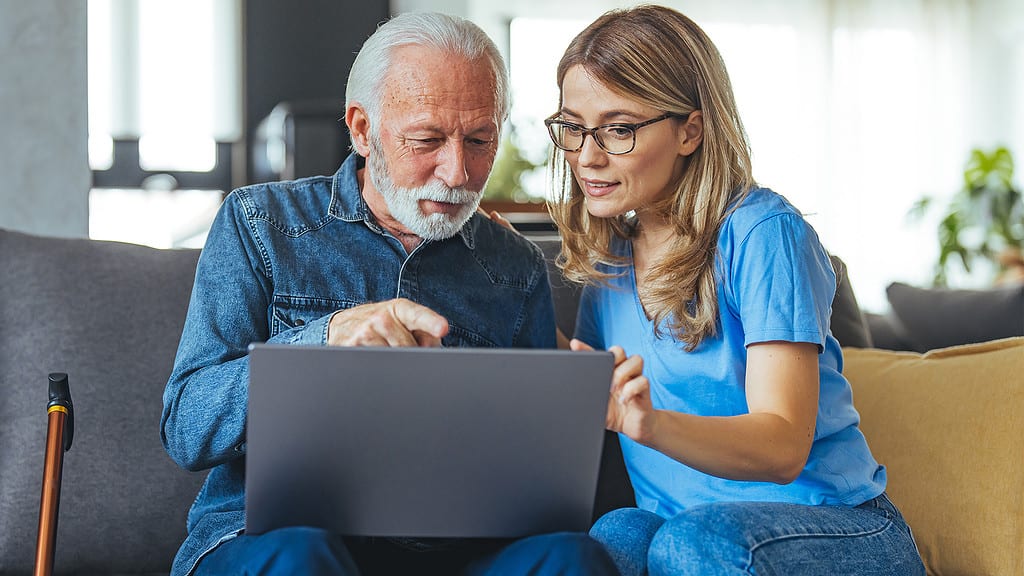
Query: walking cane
[59,433]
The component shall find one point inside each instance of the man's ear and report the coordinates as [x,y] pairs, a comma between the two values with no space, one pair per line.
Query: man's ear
[691,134]
[358,128]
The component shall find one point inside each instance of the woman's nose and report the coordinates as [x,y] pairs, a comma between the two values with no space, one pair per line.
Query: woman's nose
[590,153]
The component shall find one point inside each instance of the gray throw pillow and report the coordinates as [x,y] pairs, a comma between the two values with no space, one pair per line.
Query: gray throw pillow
[936,318]
[886,332]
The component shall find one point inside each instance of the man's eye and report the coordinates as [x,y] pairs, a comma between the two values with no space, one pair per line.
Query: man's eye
[478,142]
[572,129]
[423,144]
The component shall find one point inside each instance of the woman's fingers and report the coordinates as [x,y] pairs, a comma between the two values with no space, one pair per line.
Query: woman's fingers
[634,390]
[618,353]
[626,369]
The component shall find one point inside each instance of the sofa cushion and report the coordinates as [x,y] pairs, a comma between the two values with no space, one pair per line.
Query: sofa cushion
[847,322]
[110,315]
[565,293]
[932,318]
[949,427]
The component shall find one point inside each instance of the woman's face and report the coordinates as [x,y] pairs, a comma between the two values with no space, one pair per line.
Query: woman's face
[616,184]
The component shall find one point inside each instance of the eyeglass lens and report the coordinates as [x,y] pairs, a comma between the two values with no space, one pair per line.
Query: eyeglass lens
[613,139]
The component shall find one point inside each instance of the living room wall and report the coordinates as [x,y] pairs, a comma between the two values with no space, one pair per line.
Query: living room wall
[43,155]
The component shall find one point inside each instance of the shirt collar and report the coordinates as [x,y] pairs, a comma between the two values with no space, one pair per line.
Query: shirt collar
[347,201]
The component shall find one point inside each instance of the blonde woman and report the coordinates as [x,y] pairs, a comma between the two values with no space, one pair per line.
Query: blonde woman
[736,423]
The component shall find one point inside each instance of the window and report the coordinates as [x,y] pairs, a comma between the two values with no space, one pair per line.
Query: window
[534,47]
[164,109]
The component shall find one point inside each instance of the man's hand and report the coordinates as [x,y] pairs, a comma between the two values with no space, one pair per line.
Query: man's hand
[398,322]
[629,403]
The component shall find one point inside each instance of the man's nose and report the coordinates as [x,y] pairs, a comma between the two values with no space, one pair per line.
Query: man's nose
[451,165]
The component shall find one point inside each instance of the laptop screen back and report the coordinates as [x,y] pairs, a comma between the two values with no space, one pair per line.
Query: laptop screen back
[424,442]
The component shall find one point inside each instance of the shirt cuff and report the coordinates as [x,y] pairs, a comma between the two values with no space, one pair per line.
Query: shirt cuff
[314,333]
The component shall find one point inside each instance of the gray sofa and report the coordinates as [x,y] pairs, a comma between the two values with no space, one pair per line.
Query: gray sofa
[110,315]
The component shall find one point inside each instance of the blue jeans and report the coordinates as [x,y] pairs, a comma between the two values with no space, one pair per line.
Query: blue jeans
[303,550]
[763,538]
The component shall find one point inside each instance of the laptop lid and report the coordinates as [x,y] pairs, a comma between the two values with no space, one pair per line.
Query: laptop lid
[424,442]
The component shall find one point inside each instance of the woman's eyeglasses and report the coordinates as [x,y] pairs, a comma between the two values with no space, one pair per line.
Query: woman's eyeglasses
[616,138]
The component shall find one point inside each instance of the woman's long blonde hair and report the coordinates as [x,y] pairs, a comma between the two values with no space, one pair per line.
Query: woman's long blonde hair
[662,59]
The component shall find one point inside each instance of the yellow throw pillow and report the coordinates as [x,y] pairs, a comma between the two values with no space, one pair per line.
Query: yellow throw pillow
[949,427]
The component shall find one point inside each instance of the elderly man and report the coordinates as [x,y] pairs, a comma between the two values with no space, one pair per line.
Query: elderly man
[391,250]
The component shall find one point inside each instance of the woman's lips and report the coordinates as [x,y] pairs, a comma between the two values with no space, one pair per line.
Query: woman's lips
[598,188]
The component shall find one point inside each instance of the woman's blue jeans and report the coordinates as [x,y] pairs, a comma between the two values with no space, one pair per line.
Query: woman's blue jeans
[763,538]
[303,550]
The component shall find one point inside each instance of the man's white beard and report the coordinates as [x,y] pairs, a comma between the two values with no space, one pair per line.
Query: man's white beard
[403,203]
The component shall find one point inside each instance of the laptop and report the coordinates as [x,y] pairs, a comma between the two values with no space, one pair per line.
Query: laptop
[424,442]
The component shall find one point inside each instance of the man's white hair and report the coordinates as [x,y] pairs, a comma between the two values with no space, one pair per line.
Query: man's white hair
[440,32]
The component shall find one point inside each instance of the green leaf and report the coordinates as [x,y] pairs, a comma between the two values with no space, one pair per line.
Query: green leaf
[988,202]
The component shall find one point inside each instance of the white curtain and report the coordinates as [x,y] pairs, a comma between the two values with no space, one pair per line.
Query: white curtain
[855,110]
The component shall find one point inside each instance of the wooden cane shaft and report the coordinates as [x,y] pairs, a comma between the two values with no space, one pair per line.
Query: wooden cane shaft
[50,499]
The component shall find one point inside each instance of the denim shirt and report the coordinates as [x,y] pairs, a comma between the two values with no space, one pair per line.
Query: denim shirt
[279,260]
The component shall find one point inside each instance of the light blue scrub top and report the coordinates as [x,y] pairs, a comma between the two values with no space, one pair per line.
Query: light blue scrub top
[775,282]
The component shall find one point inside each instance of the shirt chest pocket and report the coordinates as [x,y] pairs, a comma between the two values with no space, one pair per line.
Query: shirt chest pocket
[459,337]
[297,311]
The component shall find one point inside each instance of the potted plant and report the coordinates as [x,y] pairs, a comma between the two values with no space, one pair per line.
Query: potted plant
[984,219]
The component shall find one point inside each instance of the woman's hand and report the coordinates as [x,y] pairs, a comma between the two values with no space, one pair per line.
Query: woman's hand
[629,403]
[770,443]
[498,218]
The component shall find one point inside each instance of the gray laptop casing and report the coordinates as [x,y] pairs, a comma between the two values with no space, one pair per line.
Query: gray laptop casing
[424,442]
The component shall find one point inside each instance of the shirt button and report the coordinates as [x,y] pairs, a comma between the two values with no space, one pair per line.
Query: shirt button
[300,322]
